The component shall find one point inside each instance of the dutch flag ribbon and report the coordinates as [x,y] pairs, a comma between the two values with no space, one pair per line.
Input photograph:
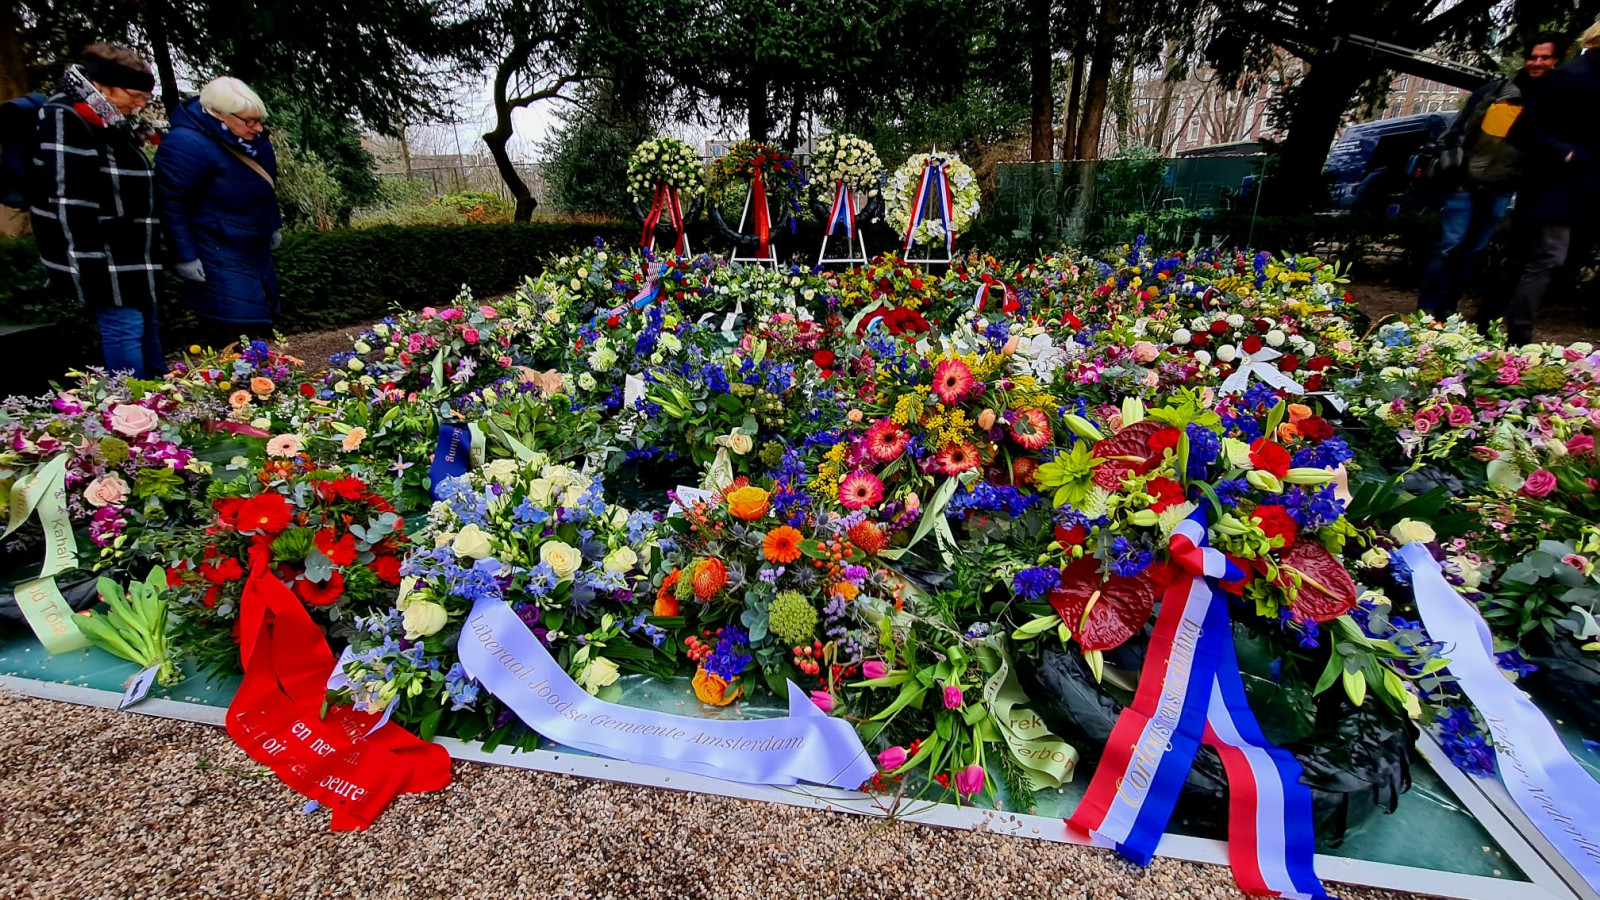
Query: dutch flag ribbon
[843,214]
[1191,693]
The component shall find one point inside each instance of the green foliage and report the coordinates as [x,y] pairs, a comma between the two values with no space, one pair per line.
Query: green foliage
[467,201]
[394,190]
[586,165]
[308,194]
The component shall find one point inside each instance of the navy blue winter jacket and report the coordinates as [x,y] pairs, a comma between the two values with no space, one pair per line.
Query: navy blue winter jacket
[220,211]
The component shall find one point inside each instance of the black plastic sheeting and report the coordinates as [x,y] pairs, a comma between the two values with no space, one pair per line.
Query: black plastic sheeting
[78,590]
[1356,760]
[1567,682]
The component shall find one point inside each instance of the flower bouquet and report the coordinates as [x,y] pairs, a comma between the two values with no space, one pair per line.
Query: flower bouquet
[904,193]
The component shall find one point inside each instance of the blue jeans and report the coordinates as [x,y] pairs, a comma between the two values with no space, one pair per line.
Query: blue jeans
[131,341]
[1467,221]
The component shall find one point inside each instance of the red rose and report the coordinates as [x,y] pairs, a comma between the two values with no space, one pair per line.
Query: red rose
[1071,537]
[1276,522]
[1200,340]
[1316,428]
[824,359]
[1219,327]
[1318,363]
[1263,326]
[1314,383]
[1269,457]
[1289,362]
[341,550]
[320,594]
[265,513]
[1252,344]
[307,390]
[228,510]
[916,284]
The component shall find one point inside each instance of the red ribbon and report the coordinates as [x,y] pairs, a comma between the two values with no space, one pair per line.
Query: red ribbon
[666,200]
[1185,555]
[338,760]
[758,200]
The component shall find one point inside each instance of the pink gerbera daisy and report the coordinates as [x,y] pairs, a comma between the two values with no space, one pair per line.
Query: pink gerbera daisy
[952,380]
[860,489]
[886,440]
[1031,429]
[957,458]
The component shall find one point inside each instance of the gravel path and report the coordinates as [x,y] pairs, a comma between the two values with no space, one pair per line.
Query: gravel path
[102,804]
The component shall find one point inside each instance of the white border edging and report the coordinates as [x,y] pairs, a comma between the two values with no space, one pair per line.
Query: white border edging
[1200,850]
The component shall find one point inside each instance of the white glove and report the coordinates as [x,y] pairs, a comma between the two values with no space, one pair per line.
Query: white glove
[192,271]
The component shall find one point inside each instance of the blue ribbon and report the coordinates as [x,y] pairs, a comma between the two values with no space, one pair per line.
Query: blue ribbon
[452,456]
[498,650]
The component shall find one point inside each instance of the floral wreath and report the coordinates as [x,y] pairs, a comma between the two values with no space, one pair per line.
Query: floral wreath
[902,195]
[847,158]
[745,158]
[664,160]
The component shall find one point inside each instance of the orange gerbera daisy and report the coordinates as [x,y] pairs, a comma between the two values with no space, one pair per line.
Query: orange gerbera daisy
[781,545]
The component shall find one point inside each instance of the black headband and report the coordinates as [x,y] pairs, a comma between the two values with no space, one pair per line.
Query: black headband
[110,74]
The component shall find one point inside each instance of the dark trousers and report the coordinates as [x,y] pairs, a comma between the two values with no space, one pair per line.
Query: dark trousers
[1467,219]
[1542,250]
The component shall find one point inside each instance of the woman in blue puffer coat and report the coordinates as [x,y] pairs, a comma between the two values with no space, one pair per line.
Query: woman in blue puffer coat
[216,176]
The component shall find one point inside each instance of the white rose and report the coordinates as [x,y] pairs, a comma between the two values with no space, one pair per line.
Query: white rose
[1181,336]
[1471,572]
[563,558]
[740,443]
[1275,338]
[1375,559]
[599,673]
[1410,531]
[1202,357]
[471,541]
[423,618]
[500,469]
[1227,353]
[620,560]
[1235,320]
[540,491]
[586,381]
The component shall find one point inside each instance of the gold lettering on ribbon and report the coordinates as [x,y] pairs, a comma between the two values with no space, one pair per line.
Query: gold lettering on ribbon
[1156,739]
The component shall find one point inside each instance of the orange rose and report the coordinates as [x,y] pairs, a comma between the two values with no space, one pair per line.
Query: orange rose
[1299,412]
[261,387]
[749,503]
[710,575]
[713,690]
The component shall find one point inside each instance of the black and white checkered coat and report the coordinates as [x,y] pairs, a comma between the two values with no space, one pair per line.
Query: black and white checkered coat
[91,192]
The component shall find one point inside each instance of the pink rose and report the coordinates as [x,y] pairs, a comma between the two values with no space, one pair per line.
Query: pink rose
[488,312]
[1485,454]
[1576,560]
[449,315]
[132,420]
[505,362]
[1460,416]
[1580,444]
[1422,424]
[1539,484]
[107,490]
[470,335]
[1144,351]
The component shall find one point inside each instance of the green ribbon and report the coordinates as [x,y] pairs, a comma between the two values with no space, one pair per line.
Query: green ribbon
[44,492]
[1048,759]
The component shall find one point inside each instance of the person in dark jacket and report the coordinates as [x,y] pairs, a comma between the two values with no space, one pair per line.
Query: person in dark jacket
[1558,133]
[91,196]
[216,176]
[1478,169]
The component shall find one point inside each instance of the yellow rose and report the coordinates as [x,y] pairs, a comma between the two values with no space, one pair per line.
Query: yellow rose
[423,618]
[620,560]
[1410,531]
[471,541]
[749,503]
[564,559]
[599,673]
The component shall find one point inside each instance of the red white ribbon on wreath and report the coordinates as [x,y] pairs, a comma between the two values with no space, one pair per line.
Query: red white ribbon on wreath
[843,213]
[935,181]
[666,201]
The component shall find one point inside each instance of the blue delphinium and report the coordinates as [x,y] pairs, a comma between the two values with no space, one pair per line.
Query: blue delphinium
[1463,741]
[1035,582]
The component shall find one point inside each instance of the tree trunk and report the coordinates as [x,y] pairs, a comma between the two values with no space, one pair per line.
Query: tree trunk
[1094,103]
[500,135]
[1069,128]
[759,110]
[13,74]
[1164,105]
[155,23]
[1039,61]
[1316,111]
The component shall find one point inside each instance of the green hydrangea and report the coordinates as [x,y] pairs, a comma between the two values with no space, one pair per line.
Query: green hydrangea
[792,618]
[772,453]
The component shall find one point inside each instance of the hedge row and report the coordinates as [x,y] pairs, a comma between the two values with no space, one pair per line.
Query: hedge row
[327,278]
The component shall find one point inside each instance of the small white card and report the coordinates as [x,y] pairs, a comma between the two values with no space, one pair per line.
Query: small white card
[689,495]
[632,391]
[139,687]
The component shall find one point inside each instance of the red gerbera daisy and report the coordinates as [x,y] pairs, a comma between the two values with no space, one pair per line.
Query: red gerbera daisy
[957,458]
[1031,429]
[951,381]
[321,594]
[268,513]
[341,550]
[860,489]
[886,440]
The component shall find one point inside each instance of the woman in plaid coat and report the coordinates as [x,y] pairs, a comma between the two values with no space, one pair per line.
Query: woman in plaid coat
[91,193]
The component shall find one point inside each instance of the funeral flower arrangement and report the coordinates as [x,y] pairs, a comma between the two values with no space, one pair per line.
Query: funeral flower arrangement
[904,190]
[846,158]
[665,161]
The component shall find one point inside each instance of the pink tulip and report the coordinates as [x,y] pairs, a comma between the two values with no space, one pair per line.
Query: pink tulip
[952,697]
[970,780]
[823,700]
[874,669]
[892,758]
